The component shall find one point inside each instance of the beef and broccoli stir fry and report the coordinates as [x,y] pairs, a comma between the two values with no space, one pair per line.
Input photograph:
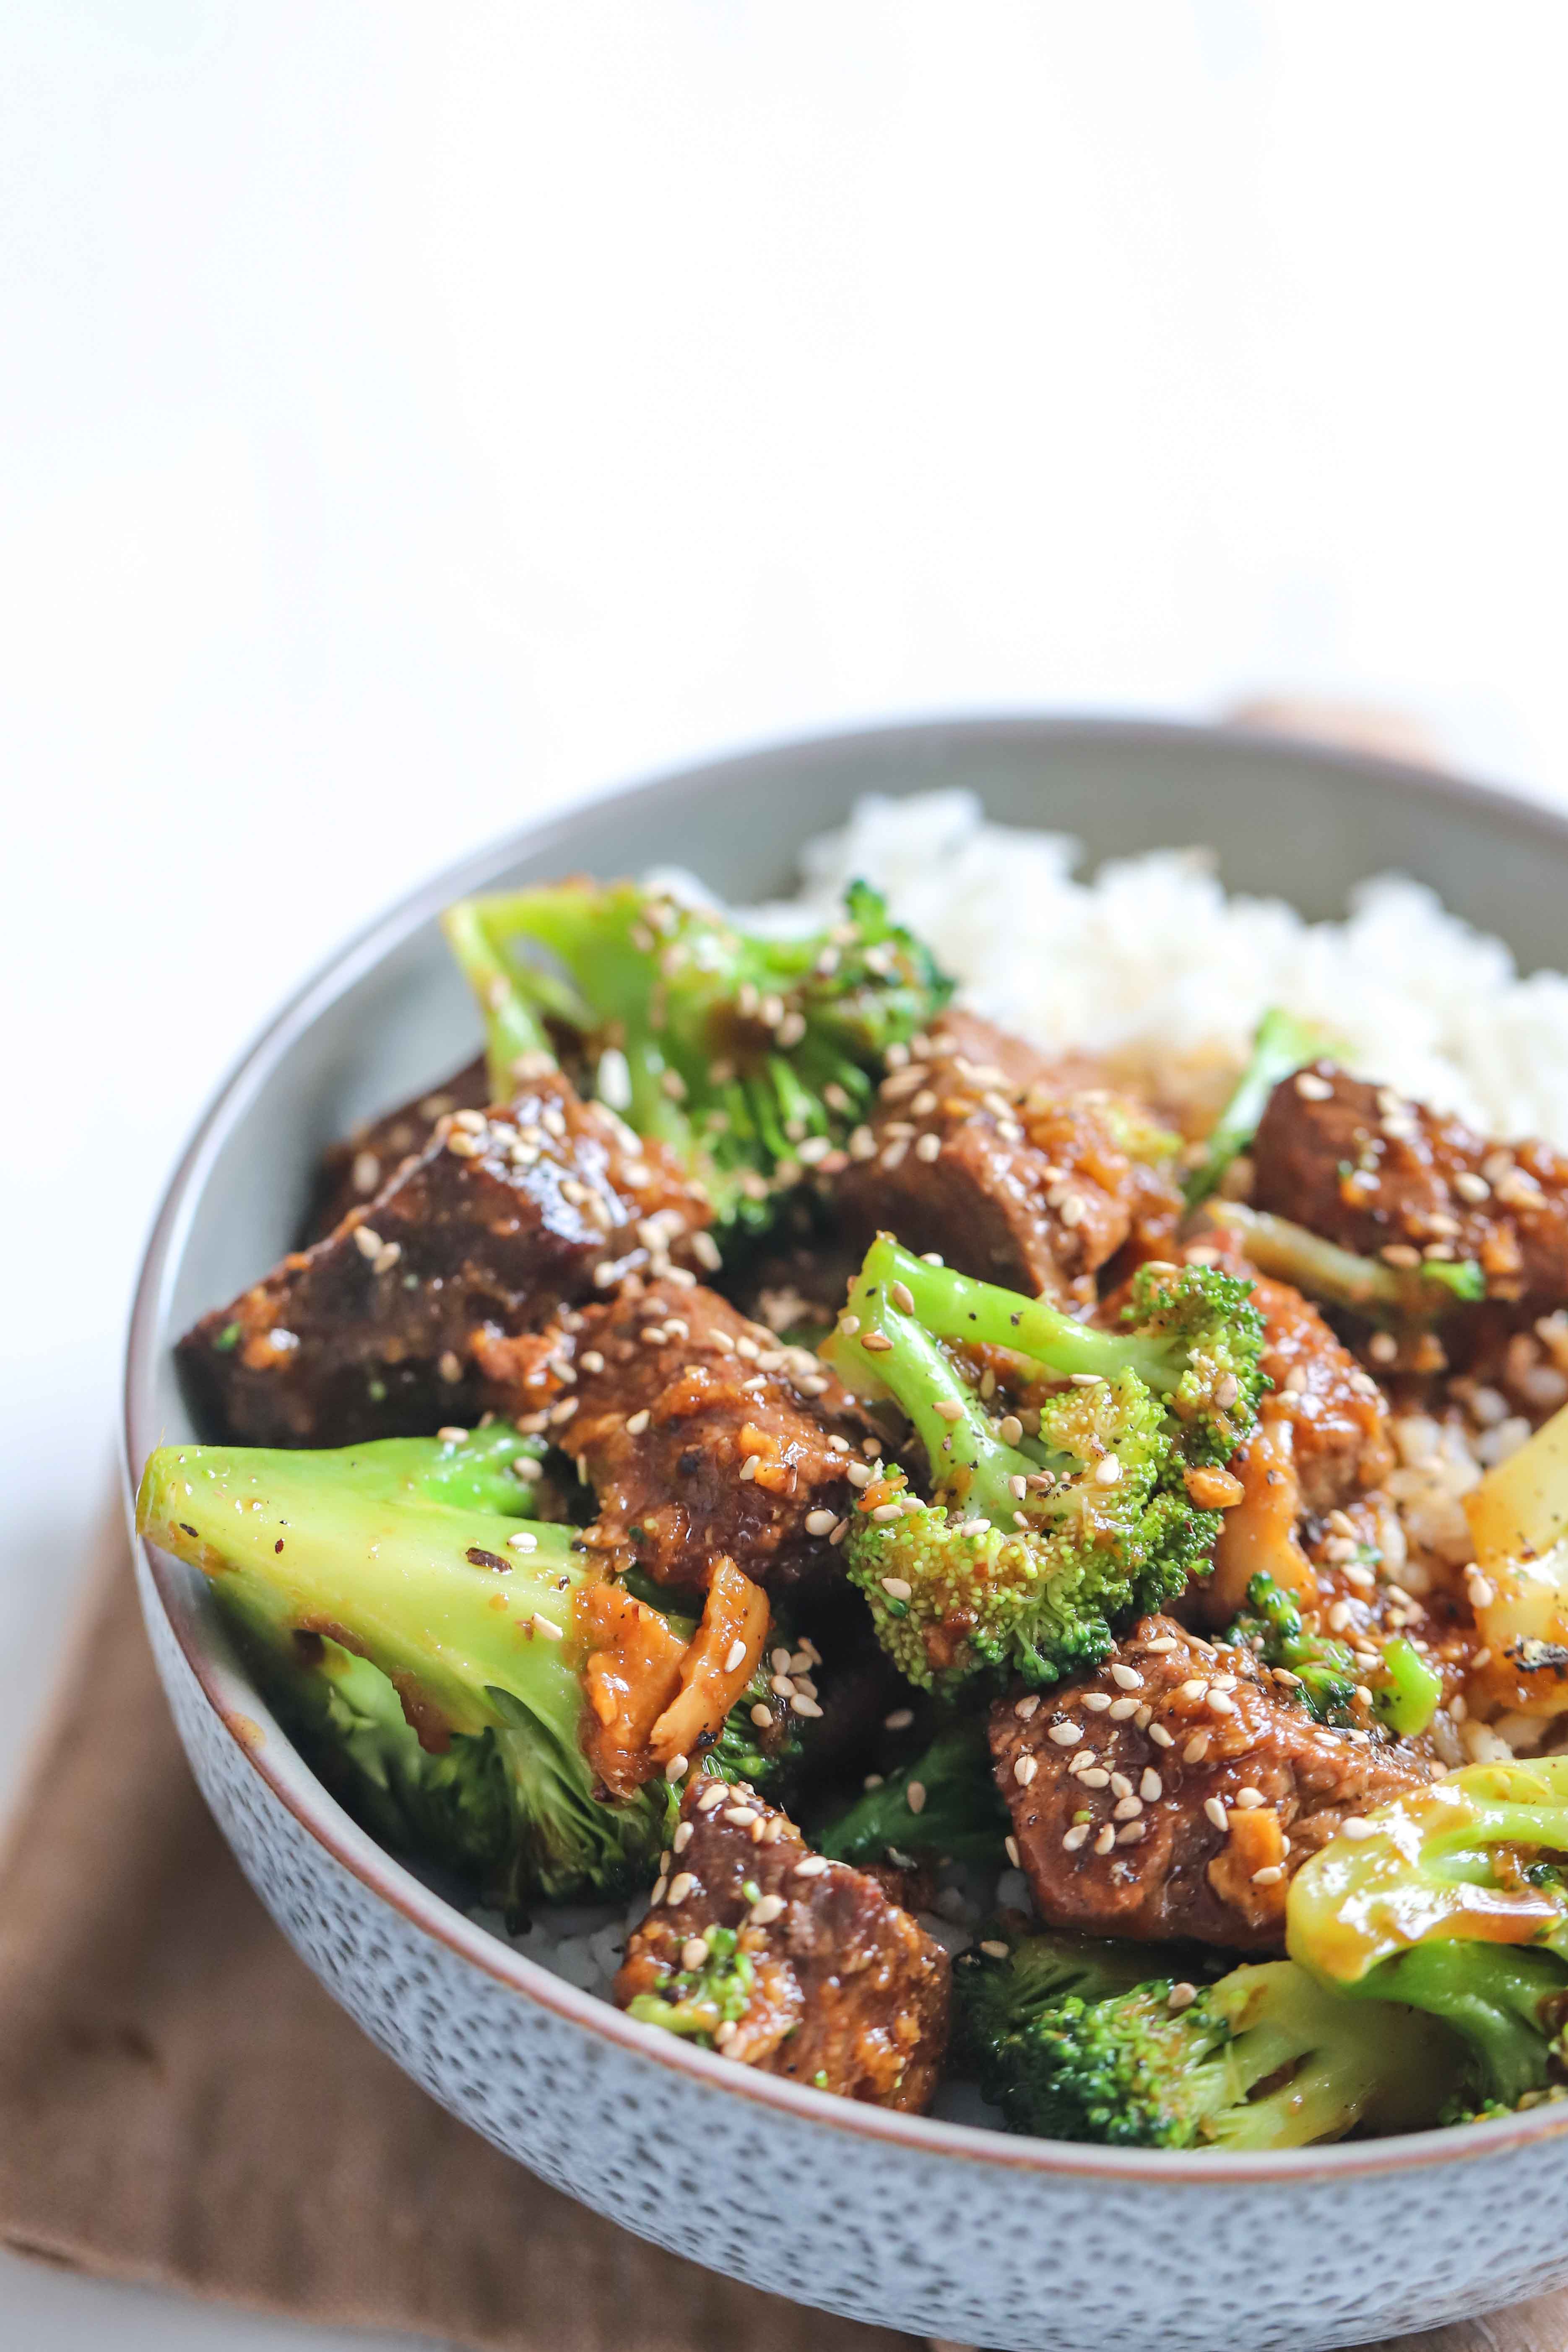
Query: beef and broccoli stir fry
[1011,1584]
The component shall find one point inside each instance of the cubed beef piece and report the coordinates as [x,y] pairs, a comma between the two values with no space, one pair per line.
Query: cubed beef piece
[1387,1177]
[1012,1168]
[701,1435]
[1337,1414]
[844,1990]
[355,1170]
[503,1216]
[1175,1794]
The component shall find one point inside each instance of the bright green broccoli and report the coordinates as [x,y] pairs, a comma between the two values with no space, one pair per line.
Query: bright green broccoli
[1036,1542]
[695,2002]
[750,1056]
[1280,1043]
[1397,1298]
[425,1643]
[1265,2058]
[1453,1898]
[1405,1689]
[1272,1627]
[1004,1983]
[959,1815]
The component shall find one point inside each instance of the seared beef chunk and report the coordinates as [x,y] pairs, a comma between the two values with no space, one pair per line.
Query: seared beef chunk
[701,1435]
[355,1170]
[500,1218]
[843,1990]
[1381,1175]
[1012,1168]
[1337,1414]
[1175,1794]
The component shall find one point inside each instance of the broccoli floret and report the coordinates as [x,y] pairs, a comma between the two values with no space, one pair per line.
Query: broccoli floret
[769,1754]
[1265,2058]
[1405,1689]
[1032,1546]
[749,1056]
[429,1651]
[1271,1626]
[1453,1898]
[1396,1298]
[998,1994]
[1280,1043]
[959,1815]
[695,2002]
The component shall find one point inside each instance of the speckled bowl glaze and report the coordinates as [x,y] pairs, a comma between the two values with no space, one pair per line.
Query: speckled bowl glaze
[932,2226]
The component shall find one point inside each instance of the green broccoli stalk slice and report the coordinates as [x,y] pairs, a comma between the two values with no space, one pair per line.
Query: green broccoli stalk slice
[1266,2058]
[749,1056]
[1396,1298]
[1453,1898]
[468,1618]
[958,1814]
[1406,1695]
[1280,1045]
[1031,1547]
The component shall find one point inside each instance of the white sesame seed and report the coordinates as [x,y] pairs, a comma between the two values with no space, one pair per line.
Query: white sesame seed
[1221,1703]
[1269,1876]
[1216,1812]
[883,1516]
[1121,1709]
[1071,1841]
[762,1716]
[725,2034]
[742,1816]
[1127,1809]
[693,1952]
[1180,1997]
[543,1624]
[1126,1677]
[711,1797]
[656,1897]
[1130,1832]
[1091,1775]
[899,1720]
[1096,1701]
[766,1909]
[682,1837]
[915,1796]
[1024,1771]
[820,1523]
[733,1656]
[801,1704]
[1106,1840]
[1107,1471]
[680,1887]
[1010,1845]
[1151,1788]
[677,1767]
[1120,1786]
[1357,1827]
[1027,1706]
[1160,1735]
[902,1296]
[637,1421]
[367,1243]
[1313,1088]
[1087,1380]
[1065,1735]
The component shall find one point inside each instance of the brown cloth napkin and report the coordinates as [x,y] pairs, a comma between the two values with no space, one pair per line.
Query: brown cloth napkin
[180,2104]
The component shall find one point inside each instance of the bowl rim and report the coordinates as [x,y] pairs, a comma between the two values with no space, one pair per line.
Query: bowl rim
[291,1783]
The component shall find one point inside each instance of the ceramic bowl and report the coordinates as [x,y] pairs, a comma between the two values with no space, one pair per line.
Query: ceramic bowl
[932,2226]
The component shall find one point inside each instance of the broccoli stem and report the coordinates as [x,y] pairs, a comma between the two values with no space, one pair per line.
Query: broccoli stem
[968,1459]
[1365,1286]
[965,1312]
[1408,1699]
[1280,1043]
[511,1029]
[961,1817]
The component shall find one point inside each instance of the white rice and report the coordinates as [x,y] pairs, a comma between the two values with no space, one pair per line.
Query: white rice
[1153,954]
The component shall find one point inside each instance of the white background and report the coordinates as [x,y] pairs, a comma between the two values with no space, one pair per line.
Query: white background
[415,414]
